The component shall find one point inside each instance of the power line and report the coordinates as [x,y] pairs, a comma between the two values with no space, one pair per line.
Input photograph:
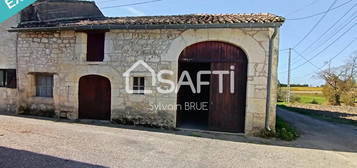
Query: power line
[334,34]
[315,26]
[304,7]
[320,13]
[325,47]
[131,4]
[337,31]
[305,59]
[334,57]
[330,28]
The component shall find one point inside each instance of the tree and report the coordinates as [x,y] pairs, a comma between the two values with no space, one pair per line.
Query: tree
[340,83]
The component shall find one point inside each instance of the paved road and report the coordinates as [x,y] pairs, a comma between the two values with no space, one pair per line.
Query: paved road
[321,134]
[26,142]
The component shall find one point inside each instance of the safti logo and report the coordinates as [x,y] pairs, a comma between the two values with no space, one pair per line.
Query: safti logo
[9,8]
[184,79]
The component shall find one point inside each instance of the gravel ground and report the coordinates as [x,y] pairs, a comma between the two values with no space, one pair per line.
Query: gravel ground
[338,112]
[27,142]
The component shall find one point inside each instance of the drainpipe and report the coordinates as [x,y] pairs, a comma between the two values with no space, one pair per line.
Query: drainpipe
[17,72]
[270,62]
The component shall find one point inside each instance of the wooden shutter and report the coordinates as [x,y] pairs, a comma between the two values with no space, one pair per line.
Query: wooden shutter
[95,46]
[2,78]
[11,78]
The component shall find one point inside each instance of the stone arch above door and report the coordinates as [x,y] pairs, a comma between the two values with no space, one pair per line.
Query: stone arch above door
[255,50]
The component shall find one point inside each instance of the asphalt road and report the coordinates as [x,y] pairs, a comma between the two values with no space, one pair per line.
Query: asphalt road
[322,134]
[27,142]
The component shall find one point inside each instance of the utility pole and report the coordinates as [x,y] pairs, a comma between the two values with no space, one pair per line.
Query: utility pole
[289,77]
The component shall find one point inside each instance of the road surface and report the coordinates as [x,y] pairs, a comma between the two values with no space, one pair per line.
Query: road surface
[33,142]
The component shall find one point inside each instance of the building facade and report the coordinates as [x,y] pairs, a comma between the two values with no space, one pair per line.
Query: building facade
[83,69]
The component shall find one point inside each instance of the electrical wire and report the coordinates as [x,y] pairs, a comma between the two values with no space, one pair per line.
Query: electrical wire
[336,31]
[130,4]
[320,13]
[304,7]
[315,26]
[334,57]
[305,59]
[330,28]
[315,56]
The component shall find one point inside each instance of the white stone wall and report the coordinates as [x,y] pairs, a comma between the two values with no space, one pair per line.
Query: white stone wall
[8,61]
[64,53]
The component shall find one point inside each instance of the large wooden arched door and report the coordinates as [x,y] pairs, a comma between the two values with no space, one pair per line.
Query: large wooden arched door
[94,97]
[226,110]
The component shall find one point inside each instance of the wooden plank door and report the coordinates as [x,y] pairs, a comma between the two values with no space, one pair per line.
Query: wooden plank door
[94,98]
[227,110]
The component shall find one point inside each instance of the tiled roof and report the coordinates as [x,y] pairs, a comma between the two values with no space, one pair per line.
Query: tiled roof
[165,20]
[187,19]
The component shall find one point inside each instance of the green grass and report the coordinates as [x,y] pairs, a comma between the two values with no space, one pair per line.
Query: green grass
[284,131]
[311,98]
[319,116]
[304,88]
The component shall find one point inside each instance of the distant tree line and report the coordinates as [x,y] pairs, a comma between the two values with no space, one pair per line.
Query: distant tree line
[292,85]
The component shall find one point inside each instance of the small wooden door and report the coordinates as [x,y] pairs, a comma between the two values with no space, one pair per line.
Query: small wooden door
[94,98]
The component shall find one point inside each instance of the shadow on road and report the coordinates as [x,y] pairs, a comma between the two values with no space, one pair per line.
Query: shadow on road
[332,116]
[10,158]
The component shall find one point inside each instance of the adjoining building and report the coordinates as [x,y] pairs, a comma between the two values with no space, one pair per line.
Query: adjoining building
[77,66]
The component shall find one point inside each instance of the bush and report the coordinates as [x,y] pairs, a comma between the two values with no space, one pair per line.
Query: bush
[295,99]
[314,101]
[348,99]
[281,95]
[284,131]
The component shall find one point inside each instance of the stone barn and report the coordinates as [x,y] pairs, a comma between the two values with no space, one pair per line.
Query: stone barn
[207,72]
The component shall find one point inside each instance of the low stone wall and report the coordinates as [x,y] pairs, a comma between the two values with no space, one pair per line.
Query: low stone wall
[129,116]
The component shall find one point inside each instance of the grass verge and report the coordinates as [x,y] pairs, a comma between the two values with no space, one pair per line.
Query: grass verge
[284,131]
[312,114]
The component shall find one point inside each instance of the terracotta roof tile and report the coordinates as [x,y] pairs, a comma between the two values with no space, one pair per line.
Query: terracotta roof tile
[166,20]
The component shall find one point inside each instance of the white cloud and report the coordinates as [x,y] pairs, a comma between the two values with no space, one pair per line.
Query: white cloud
[135,11]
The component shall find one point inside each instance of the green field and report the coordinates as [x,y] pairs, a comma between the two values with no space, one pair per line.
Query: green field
[312,89]
[311,98]
[307,95]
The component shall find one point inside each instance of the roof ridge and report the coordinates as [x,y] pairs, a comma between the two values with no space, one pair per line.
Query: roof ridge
[200,14]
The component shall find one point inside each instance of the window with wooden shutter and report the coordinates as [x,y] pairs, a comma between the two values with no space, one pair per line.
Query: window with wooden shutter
[95,46]
[44,85]
[139,85]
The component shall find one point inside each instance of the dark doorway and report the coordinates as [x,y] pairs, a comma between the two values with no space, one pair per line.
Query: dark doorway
[94,98]
[226,111]
[194,107]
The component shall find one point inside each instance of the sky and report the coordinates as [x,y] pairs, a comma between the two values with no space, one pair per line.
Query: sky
[334,35]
